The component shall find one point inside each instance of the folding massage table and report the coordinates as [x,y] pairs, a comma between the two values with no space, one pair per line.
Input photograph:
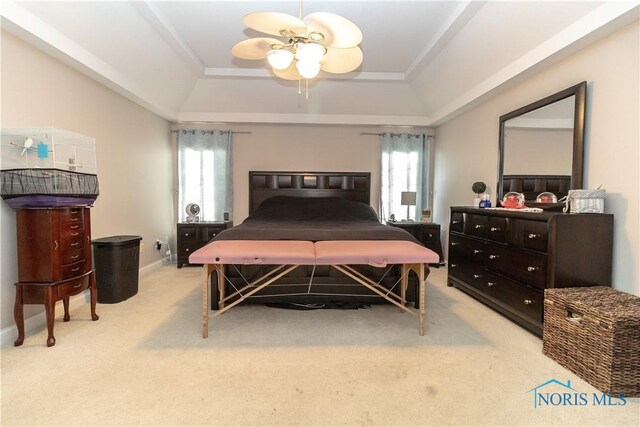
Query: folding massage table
[287,255]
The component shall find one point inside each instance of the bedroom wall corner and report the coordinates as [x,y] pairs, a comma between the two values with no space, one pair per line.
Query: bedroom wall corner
[133,147]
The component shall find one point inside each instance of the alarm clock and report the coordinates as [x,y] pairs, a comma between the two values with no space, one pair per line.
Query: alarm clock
[192,210]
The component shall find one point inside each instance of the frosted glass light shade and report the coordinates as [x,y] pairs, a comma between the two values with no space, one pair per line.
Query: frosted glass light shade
[308,69]
[408,198]
[280,59]
[312,52]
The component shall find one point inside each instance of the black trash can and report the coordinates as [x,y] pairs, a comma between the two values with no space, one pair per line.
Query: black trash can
[116,260]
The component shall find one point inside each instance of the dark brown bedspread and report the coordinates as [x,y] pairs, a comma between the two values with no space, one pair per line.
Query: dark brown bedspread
[313,219]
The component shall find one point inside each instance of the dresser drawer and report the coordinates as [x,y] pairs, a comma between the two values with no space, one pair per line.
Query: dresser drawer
[476,225]
[457,222]
[527,267]
[530,235]
[72,270]
[71,216]
[497,229]
[69,257]
[71,240]
[524,301]
[72,287]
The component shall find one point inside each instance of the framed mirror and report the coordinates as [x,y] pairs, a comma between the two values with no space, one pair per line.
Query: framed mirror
[541,147]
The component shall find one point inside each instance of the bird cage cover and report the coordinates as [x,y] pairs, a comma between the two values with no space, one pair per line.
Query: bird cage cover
[22,188]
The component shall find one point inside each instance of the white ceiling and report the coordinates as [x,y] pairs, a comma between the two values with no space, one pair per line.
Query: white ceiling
[424,61]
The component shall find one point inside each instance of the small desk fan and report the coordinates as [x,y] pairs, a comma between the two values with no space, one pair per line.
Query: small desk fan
[192,210]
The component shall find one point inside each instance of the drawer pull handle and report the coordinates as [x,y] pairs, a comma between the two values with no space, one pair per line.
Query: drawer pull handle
[453,265]
[493,256]
[74,219]
[214,234]
[533,268]
[75,234]
[75,243]
[186,234]
[533,236]
[430,235]
[477,251]
[528,302]
[75,269]
[77,286]
[73,227]
[186,250]
[75,257]
[455,221]
[491,284]
[55,242]
[454,244]
[477,276]
[495,229]
[479,226]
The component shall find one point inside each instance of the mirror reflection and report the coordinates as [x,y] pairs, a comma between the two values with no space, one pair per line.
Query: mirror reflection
[541,146]
[540,142]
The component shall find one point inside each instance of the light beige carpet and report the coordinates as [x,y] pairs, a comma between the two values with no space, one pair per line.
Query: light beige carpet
[145,363]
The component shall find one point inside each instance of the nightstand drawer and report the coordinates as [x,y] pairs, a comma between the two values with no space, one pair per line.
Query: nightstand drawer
[187,234]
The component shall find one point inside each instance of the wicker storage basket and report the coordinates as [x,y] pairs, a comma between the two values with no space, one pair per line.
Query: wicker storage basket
[595,333]
[585,201]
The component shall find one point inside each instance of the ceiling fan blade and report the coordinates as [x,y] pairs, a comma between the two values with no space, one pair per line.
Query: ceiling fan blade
[274,22]
[290,73]
[341,60]
[256,48]
[338,31]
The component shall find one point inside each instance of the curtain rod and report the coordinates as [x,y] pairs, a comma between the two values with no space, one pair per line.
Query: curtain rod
[380,134]
[204,131]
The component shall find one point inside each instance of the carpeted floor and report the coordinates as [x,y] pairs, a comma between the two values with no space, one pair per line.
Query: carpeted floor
[145,363]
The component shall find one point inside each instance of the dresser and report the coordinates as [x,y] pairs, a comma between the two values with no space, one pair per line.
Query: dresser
[506,259]
[191,236]
[426,233]
[54,262]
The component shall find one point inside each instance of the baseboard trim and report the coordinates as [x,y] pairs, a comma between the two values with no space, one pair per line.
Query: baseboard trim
[38,321]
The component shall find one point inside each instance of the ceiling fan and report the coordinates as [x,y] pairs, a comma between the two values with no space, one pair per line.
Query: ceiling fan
[319,41]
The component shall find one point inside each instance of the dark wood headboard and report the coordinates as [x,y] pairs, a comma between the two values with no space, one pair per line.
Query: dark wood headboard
[347,185]
[532,185]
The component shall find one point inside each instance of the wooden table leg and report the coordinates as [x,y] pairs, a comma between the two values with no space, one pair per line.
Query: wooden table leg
[50,310]
[221,286]
[65,304]
[93,293]
[404,283]
[423,301]
[18,315]
[206,271]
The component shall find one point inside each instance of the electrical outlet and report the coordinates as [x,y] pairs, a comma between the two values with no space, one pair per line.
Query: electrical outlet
[158,245]
[141,247]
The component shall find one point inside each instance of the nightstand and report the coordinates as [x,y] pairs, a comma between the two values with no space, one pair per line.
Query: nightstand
[427,234]
[191,236]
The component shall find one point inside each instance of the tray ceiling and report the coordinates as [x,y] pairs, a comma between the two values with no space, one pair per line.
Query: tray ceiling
[424,61]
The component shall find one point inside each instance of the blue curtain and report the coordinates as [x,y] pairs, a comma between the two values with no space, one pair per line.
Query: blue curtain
[404,168]
[205,173]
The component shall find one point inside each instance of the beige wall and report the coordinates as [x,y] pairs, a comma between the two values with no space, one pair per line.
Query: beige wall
[467,146]
[301,148]
[134,152]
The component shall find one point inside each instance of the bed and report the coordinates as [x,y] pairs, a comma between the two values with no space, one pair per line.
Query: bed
[312,238]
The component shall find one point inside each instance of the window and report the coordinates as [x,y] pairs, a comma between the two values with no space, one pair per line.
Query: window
[204,173]
[405,166]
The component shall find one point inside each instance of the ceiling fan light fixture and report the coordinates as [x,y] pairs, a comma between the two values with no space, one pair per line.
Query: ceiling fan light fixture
[309,52]
[308,69]
[280,59]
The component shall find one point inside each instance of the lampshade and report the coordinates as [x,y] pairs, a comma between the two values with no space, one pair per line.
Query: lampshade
[308,69]
[280,59]
[408,198]
[309,52]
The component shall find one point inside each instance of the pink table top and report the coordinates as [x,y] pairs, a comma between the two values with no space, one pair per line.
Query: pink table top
[378,253]
[255,252]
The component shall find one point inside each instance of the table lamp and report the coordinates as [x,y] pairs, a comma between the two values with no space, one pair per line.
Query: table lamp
[408,199]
